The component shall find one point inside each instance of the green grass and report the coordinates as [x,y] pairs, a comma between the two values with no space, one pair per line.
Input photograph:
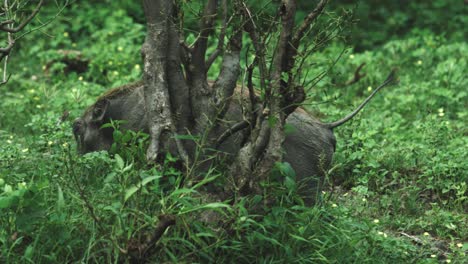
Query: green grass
[397,191]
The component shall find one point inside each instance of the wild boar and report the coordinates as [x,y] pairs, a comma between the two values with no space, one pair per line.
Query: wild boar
[308,148]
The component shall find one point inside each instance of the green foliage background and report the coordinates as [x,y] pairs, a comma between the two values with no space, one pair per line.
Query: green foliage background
[397,192]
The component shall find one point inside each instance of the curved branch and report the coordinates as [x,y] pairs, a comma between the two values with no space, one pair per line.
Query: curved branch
[3,25]
[206,28]
[289,61]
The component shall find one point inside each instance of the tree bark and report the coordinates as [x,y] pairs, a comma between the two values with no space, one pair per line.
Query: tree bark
[157,99]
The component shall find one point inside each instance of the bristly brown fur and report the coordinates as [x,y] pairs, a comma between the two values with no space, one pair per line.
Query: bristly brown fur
[121,90]
[117,92]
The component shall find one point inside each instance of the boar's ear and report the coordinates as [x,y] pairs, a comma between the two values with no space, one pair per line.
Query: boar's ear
[99,110]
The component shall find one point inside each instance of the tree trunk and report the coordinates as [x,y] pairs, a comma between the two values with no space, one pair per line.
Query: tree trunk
[179,99]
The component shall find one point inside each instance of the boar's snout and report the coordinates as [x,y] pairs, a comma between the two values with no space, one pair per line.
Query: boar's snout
[88,132]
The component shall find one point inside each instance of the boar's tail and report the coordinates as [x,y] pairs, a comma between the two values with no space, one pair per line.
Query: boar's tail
[390,79]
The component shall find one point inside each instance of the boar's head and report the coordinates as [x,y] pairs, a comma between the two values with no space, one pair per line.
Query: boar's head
[88,131]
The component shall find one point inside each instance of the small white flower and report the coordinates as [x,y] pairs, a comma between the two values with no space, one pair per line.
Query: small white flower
[65,34]
[50,143]
[369,88]
[334,205]
[433,255]
[376,221]
[460,245]
[25,150]
[419,62]
[9,141]
[80,78]
[65,144]
[120,48]
[426,234]
[441,114]
[440,110]
[364,199]
[351,56]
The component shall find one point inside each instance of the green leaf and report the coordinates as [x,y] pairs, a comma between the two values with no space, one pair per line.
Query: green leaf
[286,169]
[28,253]
[206,206]
[107,125]
[6,202]
[133,189]
[120,162]
[299,238]
[127,137]
[110,177]
[130,191]
[149,179]
[60,199]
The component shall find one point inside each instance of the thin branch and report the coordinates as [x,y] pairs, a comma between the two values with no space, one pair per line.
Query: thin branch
[311,17]
[140,251]
[291,52]
[357,75]
[7,49]
[231,131]
[7,22]
[259,46]
[212,58]
[46,23]
[206,28]
[220,46]
[3,27]
[5,81]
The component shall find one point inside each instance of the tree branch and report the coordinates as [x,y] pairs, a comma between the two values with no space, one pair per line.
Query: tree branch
[227,79]
[5,28]
[289,60]
[259,46]
[357,75]
[139,251]
[276,136]
[206,28]
[222,35]
[178,87]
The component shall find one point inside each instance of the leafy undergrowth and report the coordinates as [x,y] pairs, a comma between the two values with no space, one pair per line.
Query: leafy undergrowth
[396,194]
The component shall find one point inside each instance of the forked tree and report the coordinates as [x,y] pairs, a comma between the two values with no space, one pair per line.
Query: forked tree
[181,100]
